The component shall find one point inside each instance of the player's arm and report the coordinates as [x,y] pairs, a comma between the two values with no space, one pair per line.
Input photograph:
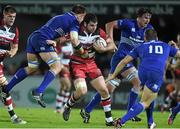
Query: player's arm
[76,44]
[110,44]
[109,31]
[119,67]
[14,44]
[14,49]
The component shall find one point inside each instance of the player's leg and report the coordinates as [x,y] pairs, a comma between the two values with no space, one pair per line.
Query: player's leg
[51,58]
[131,75]
[147,98]
[65,87]
[151,87]
[7,100]
[22,73]
[78,72]
[99,84]
[173,112]
[97,98]
[111,85]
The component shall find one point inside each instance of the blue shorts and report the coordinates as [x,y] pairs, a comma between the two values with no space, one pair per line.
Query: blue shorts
[152,79]
[36,44]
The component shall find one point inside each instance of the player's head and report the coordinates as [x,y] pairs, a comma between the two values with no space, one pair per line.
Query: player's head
[150,34]
[90,22]
[9,15]
[79,11]
[143,17]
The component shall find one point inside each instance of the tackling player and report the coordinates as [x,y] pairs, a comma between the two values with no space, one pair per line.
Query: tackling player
[41,43]
[153,55]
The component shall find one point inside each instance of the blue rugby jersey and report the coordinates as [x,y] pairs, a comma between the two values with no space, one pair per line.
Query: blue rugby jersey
[153,55]
[59,25]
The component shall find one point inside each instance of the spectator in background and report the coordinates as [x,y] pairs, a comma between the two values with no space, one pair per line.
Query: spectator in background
[9,39]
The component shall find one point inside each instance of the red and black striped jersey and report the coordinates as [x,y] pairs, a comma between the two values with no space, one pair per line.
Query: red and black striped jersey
[8,35]
[87,40]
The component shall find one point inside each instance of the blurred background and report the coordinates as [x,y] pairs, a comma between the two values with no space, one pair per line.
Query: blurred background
[31,14]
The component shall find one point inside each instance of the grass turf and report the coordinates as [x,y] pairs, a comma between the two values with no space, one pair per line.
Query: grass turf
[47,118]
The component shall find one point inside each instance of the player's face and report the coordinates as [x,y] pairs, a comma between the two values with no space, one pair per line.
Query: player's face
[9,18]
[144,20]
[91,27]
[80,17]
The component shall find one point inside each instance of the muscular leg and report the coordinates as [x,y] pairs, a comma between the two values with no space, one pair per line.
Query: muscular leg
[22,73]
[147,97]
[100,86]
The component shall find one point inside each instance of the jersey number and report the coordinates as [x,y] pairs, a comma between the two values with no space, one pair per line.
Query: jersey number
[156,49]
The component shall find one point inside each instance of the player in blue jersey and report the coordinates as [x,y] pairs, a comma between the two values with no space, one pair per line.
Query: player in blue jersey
[41,43]
[132,35]
[153,55]
[173,112]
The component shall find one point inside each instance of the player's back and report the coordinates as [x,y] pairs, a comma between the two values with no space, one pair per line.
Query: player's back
[59,26]
[154,55]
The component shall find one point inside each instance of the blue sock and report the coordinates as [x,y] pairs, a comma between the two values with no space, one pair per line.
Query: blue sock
[18,77]
[133,111]
[132,98]
[96,100]
[48,78]
[176,109]
[149,113]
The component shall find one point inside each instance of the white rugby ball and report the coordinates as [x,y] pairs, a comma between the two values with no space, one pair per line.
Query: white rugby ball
[101,42]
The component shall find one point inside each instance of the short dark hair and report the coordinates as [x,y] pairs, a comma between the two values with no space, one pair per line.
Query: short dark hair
[78,9]
[89,17]
[150,34]
[9,9]
[142,11]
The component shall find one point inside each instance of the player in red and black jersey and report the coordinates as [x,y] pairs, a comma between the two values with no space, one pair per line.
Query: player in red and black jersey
[85,66]
[64,50]
[9,38]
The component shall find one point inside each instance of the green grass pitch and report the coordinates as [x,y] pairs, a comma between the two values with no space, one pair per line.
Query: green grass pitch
[47,118]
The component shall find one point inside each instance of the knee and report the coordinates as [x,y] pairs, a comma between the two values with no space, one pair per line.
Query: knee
[81,88]
[104,92]
[56,67]
[30,70]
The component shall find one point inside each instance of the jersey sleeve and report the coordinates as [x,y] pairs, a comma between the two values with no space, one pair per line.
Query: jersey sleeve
[173,51]
[122,23]
[16,38]
[102,33]
[75,26]
[134,53]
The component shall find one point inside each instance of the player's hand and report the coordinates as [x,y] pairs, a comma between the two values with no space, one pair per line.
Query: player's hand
[172,43]
[51,42]
[85,54]
[110,77]
[99,48]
